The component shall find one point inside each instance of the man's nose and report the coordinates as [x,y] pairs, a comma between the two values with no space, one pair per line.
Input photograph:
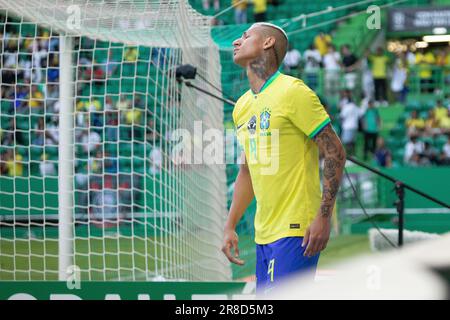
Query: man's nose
[236,42]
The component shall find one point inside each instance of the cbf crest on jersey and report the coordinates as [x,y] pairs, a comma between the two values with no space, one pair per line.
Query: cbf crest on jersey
[264,119]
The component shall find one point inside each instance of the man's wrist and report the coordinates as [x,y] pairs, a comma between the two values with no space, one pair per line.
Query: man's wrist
[326,211]
[229,227]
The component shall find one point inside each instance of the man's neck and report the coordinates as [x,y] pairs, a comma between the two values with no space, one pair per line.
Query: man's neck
[258,71]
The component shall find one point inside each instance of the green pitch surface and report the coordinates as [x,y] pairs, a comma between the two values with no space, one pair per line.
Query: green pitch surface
[342,248]
[125,259]
[98,259]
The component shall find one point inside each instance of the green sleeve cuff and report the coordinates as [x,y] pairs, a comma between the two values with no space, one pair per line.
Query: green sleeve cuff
[320,127]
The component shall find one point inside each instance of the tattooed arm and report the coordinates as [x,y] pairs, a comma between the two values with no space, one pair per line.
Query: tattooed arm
[333,153]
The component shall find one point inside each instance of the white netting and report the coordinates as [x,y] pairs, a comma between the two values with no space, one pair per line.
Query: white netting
[89,101]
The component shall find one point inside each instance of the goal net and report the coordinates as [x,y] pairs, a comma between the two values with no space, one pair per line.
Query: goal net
[93,179]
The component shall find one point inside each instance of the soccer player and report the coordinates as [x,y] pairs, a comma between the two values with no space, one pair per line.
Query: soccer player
[292,222]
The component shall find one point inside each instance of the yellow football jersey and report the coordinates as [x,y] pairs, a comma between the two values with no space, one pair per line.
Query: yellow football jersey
[274,128]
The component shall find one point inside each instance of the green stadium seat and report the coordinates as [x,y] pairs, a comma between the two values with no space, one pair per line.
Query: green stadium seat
[125,149]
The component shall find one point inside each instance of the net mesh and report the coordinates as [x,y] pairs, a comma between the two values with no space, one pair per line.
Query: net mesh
[137,212]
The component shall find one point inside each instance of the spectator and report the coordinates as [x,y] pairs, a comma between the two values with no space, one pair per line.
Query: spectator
[156,160]
[3,160]
[13,136]
[424,62]
[96,201]
[22,97]
[367,79]
[414,124]
[410,57]
[47,168]
[383,155]
[432,127]
[379,63]
[110,202]
[445,124]
[350,65]
[109,106]
[39,133]
[39,54]
[131,54]
[442,58]
[99,75]
[447,101]
[446,65]
[133,116]
[292,59]
[429,155]
[413,149]
[139,101]
[346,97]
[52,132]
[14,163]
[349,115]
[111,128]
[371,124]
[96,164]
[94,107]
[332,65]
[54,44]
[51,99]
[399,76]
[90,141]
[53,68]
[445,154]
[240,11]
[260,10]
[440,111]
[312,60]
[10,55]
[110,163]
[206,4]
[123,104]
[25,68]
[322,41]
[81,114]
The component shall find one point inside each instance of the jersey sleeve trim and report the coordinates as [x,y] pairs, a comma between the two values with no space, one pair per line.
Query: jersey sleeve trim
[319,128]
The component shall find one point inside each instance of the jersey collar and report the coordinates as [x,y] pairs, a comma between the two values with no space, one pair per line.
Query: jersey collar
[267,83]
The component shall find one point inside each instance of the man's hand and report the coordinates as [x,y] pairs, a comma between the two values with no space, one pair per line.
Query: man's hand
[230,241]
[317,235]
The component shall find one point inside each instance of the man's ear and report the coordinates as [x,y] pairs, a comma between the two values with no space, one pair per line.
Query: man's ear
[269,43]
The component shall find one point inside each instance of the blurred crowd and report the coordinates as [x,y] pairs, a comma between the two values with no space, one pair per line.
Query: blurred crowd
[422,130]
[29,115]
[30,89]
[379,72]
[383,79]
